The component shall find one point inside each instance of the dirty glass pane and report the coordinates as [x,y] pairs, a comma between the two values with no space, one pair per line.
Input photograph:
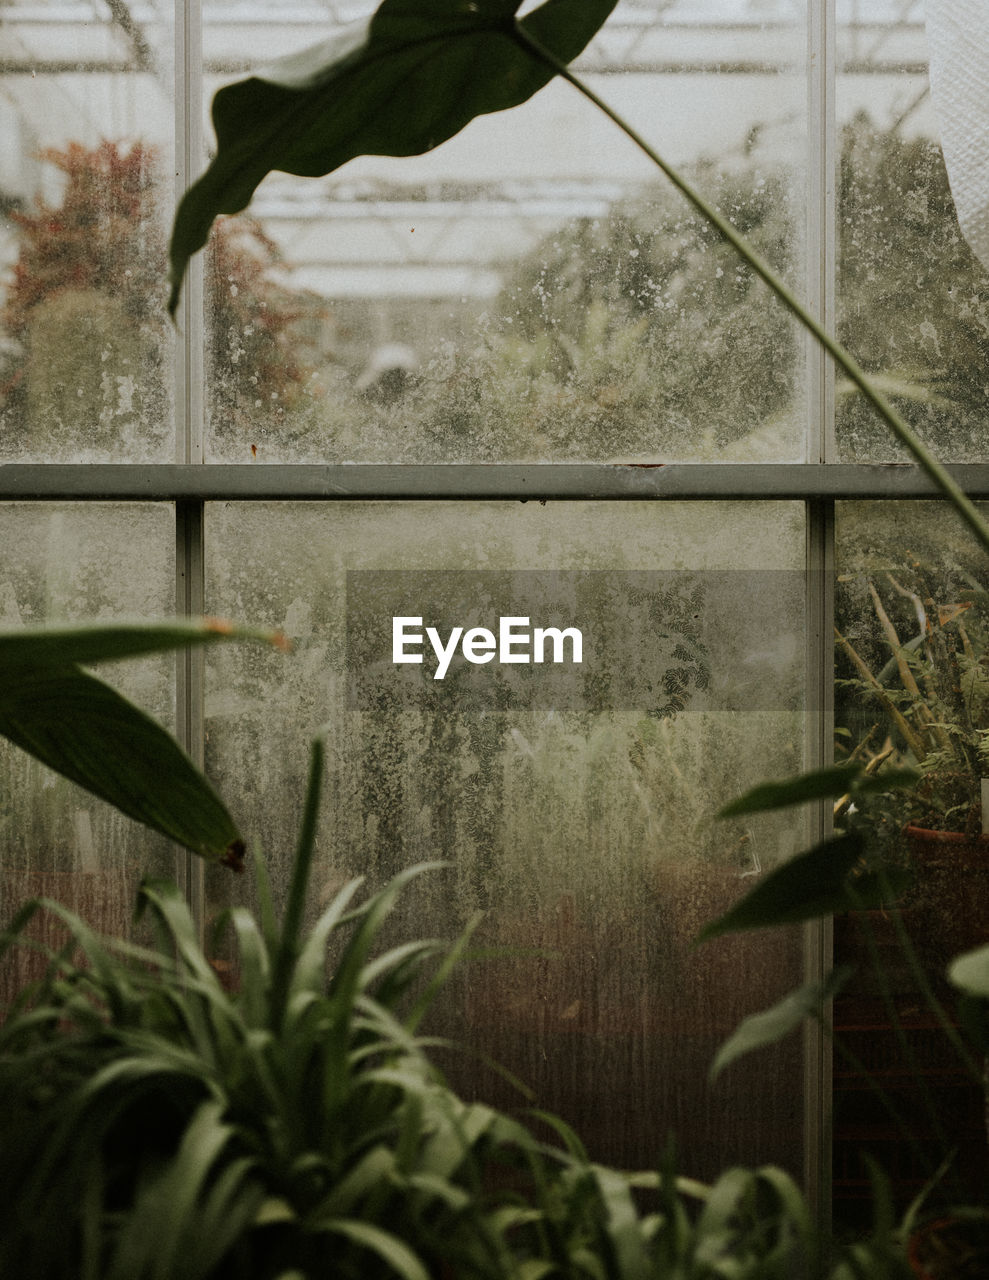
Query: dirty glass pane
[85,194]
[577,815]
[912,690]
[73,563]
[913,301]
[532,289]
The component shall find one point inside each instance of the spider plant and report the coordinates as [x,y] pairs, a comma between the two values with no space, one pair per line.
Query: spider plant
[157,1126]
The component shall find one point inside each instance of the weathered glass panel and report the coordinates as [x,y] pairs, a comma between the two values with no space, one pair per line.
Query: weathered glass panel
[76,563]
[913,301]
[85,194]
[533,289]
[575,808]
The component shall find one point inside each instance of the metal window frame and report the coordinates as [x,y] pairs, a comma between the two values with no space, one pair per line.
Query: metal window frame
[819,481]
[186,482]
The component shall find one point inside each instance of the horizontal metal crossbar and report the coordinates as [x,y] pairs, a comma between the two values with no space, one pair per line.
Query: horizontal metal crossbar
[557,481]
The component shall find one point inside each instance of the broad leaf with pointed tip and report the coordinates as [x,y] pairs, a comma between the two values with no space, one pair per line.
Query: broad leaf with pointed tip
[774,1024]
[811,885]
[89,733]
[826,879]
[396,85]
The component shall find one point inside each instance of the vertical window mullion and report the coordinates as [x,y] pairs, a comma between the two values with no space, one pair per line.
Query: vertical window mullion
[188,162]
[189,399]
[820,448]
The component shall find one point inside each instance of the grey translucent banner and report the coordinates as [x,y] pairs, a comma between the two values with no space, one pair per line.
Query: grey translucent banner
[661,642]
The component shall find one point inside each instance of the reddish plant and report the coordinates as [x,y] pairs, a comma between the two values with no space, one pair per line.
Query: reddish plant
[106,234]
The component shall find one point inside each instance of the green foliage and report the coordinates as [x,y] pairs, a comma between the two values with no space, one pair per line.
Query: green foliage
[640,334]
[846,874]
[825,879]
[645,335]
[833,876]
[407,80]
[820,784]
[399,84]
[920,672]
[85,730]
[159,1126]
[914,298]
[83,307]
[772,1025]
[971,972]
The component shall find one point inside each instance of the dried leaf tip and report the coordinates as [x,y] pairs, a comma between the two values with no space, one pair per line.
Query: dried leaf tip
[221,626]
[234,856]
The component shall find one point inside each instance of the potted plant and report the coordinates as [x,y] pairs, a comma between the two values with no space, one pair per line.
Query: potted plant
[922,676]
[915,645]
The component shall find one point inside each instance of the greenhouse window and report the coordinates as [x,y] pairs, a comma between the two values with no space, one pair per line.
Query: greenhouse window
[517,368]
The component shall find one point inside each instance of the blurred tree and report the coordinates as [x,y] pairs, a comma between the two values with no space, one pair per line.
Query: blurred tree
[643,334]
[649,325]
[85,309]
[913,298]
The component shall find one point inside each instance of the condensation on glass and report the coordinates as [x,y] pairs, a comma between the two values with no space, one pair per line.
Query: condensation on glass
[533,289]
[586,836]
[912,300]
[86,191]
[71,563]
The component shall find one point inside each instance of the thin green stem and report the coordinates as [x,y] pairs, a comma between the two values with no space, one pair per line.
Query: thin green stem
[843,358]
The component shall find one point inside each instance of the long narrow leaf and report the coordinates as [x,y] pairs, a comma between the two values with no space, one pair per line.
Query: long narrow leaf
[819,784]
[375,1239]
[57,647]
[777,1022]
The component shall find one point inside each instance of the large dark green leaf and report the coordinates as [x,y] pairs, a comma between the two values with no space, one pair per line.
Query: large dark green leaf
[774,1024]
[83,729]
[398,85]
[86,731]
[812,884]
[820,784]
